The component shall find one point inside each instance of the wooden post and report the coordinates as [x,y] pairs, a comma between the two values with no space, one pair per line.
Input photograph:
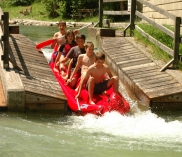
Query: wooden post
[176,42]
[132,16]
[100,12]
[5,39]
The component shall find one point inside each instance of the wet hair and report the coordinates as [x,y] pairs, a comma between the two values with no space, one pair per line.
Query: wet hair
[88,44]
[62,23]
[68,32]
[99,55]
[80,36]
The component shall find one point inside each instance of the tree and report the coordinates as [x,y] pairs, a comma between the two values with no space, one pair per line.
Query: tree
[20,2]
[65,8]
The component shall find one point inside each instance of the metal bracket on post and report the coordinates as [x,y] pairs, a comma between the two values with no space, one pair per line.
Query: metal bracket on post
[2,38]
[167,65]
[180,57]
[2,57]
[2,17]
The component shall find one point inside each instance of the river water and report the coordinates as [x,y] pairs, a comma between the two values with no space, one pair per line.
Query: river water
[139,134]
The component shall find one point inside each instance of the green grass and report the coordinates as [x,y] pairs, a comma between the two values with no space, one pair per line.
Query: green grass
[38,13]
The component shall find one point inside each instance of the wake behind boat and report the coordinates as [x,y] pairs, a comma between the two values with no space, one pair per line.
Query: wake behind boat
[106,102]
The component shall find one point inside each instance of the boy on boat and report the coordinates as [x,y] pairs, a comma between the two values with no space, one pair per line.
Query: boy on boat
[58,36]
[95,75]
[73,55]
[84,61]
[64,49]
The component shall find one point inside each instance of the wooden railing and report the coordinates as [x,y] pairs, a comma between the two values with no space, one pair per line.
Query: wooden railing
[118,12]
[175,35]
[4,40]
[102,12]
[81,13]
[125,7]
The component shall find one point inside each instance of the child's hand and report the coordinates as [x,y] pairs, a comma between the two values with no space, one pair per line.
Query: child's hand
[77,96]
[56,70]
[76,31]
[68,81]
[59,40]
[58,63]
[65,78]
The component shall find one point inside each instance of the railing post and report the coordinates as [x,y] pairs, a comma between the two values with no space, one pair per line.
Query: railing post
[100,12]
[176,42]
[5,56]
[132,16]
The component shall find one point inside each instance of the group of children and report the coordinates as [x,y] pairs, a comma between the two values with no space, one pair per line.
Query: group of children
[76,60]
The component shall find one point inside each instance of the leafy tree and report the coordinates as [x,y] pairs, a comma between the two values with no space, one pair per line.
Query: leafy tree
[51,6]
[20,2]
[65,8]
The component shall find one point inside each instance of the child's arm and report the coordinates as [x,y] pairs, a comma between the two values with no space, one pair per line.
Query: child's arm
[57,61]
[69,70]
[68,56]
[78,64]
[83,81]
[55,41]
[109,72]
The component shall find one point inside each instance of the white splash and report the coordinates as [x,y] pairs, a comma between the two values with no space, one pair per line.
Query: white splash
[144,128]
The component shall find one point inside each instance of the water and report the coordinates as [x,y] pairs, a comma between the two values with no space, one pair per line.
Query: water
[139,134]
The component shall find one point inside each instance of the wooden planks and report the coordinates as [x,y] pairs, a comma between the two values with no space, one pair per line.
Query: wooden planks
[43,91]
[141,75]
[3,105]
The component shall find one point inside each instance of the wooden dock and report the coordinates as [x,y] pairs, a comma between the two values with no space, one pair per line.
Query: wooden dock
[42,90]
[3,105]
[141,75]
[36,88]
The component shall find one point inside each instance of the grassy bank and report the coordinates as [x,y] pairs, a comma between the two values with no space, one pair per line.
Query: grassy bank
[38,13]
[155,51]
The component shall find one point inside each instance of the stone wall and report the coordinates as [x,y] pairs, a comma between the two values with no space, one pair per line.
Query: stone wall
[172,6]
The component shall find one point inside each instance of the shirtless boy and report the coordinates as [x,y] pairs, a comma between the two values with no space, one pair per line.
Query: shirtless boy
[73,55]
[84,61]
[58,36]
[95,76]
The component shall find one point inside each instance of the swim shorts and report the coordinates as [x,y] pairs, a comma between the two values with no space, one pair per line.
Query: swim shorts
[100,87]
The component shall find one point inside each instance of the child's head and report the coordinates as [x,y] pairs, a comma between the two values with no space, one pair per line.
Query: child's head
[99,56]
[89,47]
[80,39]
[99,59]
[70,37]
[62,25]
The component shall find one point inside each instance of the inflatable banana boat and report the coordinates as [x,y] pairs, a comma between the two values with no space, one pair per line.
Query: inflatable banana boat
[107,102]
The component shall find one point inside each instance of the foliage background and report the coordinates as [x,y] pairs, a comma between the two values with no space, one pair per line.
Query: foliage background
[53,9]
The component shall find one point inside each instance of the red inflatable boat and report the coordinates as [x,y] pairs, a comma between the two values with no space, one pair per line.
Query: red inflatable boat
[103,102]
